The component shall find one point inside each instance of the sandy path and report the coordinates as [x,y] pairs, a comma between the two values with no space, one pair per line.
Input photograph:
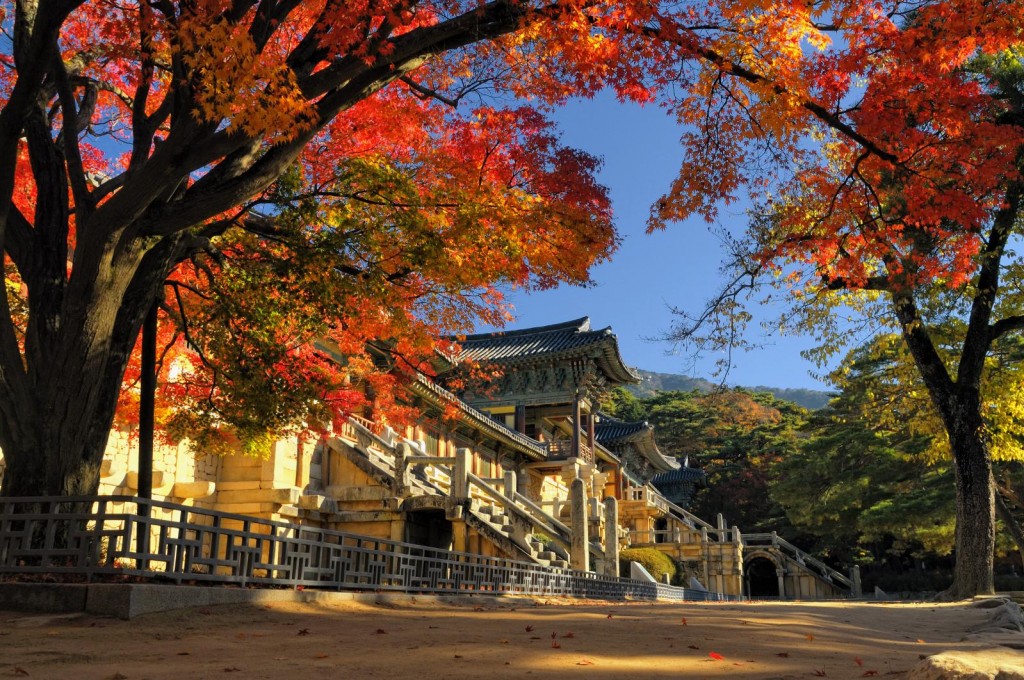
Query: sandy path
[345,639]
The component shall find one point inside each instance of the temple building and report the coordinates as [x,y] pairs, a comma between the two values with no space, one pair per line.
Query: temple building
[523,467]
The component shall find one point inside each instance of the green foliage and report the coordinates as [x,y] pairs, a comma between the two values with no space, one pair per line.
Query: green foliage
[653,560]
[734,436]
[623,404]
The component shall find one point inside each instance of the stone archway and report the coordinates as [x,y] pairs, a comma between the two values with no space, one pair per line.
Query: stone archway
[761,576]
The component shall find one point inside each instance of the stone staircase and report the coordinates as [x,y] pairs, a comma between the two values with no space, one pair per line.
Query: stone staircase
[514,528]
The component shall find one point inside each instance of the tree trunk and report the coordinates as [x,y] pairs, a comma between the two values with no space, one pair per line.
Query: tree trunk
[55,444]
[975,506]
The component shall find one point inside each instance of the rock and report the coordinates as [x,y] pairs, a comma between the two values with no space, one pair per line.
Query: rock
[981,664]
[998,636]
[1008,616]
[989,602]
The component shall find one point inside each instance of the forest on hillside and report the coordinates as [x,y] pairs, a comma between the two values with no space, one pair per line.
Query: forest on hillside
[866,480]
[652,383]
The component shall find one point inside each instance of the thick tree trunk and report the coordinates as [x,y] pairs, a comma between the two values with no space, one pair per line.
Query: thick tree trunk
[55,444]
[975,506]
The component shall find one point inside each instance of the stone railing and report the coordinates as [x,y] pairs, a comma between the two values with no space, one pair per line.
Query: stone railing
[101,536]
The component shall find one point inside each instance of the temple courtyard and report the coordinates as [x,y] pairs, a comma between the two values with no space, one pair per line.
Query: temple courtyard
[422,638]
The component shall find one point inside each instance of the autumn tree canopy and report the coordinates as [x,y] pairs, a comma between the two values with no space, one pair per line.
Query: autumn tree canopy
[890,186]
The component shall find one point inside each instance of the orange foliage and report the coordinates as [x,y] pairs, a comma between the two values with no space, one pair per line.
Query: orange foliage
[407,172]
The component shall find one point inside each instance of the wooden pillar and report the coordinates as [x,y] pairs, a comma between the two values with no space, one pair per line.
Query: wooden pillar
[576,426]
[520,418]
[590,432]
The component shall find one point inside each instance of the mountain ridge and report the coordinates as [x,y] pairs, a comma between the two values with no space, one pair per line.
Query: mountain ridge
[652,382]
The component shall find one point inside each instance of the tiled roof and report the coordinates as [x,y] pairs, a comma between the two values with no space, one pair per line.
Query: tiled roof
[609,430]
[683,474]
[640,434]
[565,338]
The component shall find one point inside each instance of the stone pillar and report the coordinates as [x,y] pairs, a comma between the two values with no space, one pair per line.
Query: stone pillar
[782,584]
[858,591]
[580,548]
[611,536]
[510,484]
[460,479]
[721,522]
[401,481]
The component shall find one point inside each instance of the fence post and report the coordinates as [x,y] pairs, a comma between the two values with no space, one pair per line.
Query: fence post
[611,536]
[580,552]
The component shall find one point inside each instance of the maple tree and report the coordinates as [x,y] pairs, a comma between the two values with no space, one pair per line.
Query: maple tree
[885,160]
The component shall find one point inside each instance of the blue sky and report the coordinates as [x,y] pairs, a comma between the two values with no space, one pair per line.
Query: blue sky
[679,267]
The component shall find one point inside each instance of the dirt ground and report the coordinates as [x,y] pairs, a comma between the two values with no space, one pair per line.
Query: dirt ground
[425,640]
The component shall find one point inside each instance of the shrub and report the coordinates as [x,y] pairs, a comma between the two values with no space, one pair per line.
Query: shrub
[652,559]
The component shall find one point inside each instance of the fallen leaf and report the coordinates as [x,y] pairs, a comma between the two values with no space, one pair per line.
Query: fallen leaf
[184,653]
[232,669]
[609,616]
[569,635]
[18,670]
[820,672]
[529,629]
[536,637]
[320,656]
[205,611]
[716,656]
[921,641]
[743,623]
[504,642]
[116,676]
[857,661]
[922,657]
[554,635]
[684,620]
[305,631]
[555,645]
[810,637]
[584,662]
[867,674]
[478,609]
[784,655]
[380,631]
[694,647]
[458,656]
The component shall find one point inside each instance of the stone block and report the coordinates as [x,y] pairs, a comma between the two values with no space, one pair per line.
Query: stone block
[160,480]
[281,496]
[238,486]
[193,489]
[111,468]
[232,473]
[240,508]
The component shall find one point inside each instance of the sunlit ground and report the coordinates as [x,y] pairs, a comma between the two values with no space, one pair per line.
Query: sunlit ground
[416,639]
